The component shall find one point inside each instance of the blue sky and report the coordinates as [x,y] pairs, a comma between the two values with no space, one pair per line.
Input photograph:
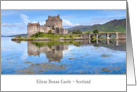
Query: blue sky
[15,21]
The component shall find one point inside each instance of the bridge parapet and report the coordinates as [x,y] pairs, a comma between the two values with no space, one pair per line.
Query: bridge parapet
[107,35]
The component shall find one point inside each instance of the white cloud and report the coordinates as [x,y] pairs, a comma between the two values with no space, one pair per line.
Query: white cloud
[66,16]
[69,49]
[11,25]
[7,13]
[15,28]
[25,18]
[41,23]
[8,24]
[100,20]
[67,23]
[34,21]
[18,28]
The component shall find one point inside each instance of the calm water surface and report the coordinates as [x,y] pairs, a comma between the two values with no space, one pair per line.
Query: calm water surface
[83,57]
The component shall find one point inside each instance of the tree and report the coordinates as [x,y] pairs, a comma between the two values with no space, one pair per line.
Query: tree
[95,31]
[87,32]
[77,32]
[49,32]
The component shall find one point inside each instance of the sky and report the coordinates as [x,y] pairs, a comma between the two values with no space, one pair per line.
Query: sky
[15,21]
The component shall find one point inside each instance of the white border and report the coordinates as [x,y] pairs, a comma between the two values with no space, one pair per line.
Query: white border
[63,4]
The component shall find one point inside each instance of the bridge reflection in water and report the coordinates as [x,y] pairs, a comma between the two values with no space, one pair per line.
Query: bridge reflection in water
[107,42]
[54,52]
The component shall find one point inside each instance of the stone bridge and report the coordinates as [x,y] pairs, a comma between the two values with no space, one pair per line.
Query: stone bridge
[103,42]
[107,35]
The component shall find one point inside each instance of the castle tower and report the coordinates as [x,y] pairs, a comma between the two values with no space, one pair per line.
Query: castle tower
[54,22]
[32,28]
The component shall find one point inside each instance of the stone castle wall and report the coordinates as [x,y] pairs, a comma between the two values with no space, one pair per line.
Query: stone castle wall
[44,29]
[51,23]
[32,30]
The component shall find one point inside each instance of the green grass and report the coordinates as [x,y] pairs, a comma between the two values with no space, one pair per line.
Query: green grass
[57,36]
[52,36]
[51,43]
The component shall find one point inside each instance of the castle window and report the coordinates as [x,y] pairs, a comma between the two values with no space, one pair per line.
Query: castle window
[57,30]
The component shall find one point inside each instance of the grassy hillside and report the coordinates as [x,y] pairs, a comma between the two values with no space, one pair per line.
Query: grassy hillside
[112,26]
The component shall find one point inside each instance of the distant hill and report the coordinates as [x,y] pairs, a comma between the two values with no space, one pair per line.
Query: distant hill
[111,26]
[23,35]
[2,35]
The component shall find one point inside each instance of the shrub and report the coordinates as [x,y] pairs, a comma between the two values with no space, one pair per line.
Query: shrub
[18,36]
[70,36]
[52,36]
[87,32]
[95,31]
[77,32]
[39,34]
[49,32]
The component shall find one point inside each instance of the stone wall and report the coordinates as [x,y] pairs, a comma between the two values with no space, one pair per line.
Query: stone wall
[121,35]
[54,21]
[44,29]
[63,31]
[32,30]
[85,36]
[51,23]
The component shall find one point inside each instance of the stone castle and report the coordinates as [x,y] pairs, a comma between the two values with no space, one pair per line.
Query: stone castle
[52,23]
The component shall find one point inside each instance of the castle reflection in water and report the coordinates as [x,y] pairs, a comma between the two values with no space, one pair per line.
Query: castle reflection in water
[55,52]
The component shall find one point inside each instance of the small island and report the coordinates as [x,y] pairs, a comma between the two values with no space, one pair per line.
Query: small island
[53,30]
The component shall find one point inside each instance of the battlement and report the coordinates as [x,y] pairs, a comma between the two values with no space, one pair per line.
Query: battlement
[33,24]
[54,18]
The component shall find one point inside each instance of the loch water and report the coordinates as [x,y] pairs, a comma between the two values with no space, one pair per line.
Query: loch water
[80,57]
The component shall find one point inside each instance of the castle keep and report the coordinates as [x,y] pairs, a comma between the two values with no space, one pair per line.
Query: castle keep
[52,23]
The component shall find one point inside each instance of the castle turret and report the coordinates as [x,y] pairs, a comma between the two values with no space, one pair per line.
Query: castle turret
[54,21]
[32,28]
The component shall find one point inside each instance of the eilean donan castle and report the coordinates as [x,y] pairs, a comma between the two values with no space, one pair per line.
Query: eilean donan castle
[52,23]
